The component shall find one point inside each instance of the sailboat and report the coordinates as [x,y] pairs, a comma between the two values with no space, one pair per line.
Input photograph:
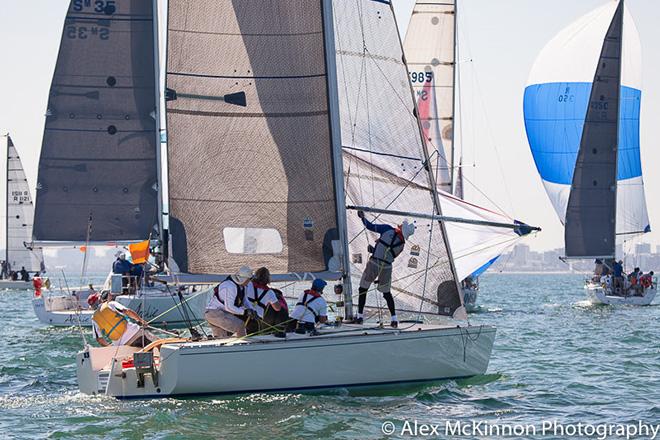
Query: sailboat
[582,107]
[267,176]
[98,175]
[431,49]
[18,227]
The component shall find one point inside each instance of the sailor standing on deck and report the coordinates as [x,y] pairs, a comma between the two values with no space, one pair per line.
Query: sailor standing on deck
[228,309]
[390,244]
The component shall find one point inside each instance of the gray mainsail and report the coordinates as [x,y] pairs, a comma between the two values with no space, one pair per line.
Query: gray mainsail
[98,157]
[20,213]
[590,228]
[249,148]
[385,162]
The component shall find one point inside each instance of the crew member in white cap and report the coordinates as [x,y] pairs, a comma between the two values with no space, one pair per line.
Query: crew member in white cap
[228,309]
[388,246]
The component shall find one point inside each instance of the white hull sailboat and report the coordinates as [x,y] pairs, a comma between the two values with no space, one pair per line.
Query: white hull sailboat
[582,115]
[15,285]
[347,356]
[158,305]
[287,208]
[18,225]
[600,294]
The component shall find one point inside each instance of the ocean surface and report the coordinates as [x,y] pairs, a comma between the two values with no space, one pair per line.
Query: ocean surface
[555,358]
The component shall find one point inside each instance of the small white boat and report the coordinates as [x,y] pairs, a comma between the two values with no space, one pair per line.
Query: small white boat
[15,285]
[600,294]
[351,356]
[157,304]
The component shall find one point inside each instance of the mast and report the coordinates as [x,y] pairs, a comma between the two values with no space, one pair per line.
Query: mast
[161,159]
[453,103]
[7,206]
[337,160]
[434,189]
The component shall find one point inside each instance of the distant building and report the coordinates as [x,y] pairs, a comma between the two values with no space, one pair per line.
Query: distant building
[642,248]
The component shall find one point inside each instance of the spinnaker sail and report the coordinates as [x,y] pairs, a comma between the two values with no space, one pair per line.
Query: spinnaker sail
[563,112]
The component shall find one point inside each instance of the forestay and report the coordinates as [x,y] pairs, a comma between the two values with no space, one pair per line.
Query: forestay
[249,151]
[383,156]
[98,157]
[430,55]
[20,213]
[555,106]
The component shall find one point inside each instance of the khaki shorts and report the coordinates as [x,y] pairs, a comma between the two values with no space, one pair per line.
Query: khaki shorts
[224,324]
[377,270]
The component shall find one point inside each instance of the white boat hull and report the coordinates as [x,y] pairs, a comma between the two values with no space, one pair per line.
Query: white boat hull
[16,285]
[601,295]
[153,304]
[351,356]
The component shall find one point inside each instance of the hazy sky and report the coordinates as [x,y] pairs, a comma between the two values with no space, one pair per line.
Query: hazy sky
[499,40]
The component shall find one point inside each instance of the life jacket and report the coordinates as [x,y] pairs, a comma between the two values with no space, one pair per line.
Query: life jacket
[305,302]
[646,281]
[111,323]
[37,283]
[258,298]
[388,246]
[240,293]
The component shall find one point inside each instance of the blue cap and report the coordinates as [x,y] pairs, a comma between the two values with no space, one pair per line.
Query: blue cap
[319,284]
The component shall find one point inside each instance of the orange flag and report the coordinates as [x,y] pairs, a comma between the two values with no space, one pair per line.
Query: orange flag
[139,252]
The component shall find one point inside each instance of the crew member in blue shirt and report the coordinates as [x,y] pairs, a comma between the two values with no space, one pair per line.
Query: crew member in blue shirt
[389,245]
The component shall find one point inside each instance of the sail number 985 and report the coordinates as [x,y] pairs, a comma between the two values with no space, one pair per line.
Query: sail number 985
[420,77]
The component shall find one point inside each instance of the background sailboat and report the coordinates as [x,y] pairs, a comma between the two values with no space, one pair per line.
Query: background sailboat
[20,214]
[582,109]
[431,49]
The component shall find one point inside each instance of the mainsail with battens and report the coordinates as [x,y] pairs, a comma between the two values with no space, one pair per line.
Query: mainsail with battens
[20,214]
[582,109]
[98,157]
[250,179]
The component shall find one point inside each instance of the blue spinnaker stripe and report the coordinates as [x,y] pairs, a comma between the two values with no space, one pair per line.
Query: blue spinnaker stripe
[483,268]
[554,119]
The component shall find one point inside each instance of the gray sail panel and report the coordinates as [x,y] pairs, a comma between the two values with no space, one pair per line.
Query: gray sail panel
[384,156]
[590,228]
[98,155]
[250,176]
[20,214]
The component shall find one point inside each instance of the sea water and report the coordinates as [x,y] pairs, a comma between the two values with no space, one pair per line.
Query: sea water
[557,360]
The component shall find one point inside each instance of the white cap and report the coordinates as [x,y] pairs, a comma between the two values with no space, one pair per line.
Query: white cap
[121,255]
[243,274]
[407,229]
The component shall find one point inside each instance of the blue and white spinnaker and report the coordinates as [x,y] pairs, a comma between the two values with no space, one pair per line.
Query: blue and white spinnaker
[556,100]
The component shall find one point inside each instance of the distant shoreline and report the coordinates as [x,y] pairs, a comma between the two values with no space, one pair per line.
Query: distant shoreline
[538,272]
